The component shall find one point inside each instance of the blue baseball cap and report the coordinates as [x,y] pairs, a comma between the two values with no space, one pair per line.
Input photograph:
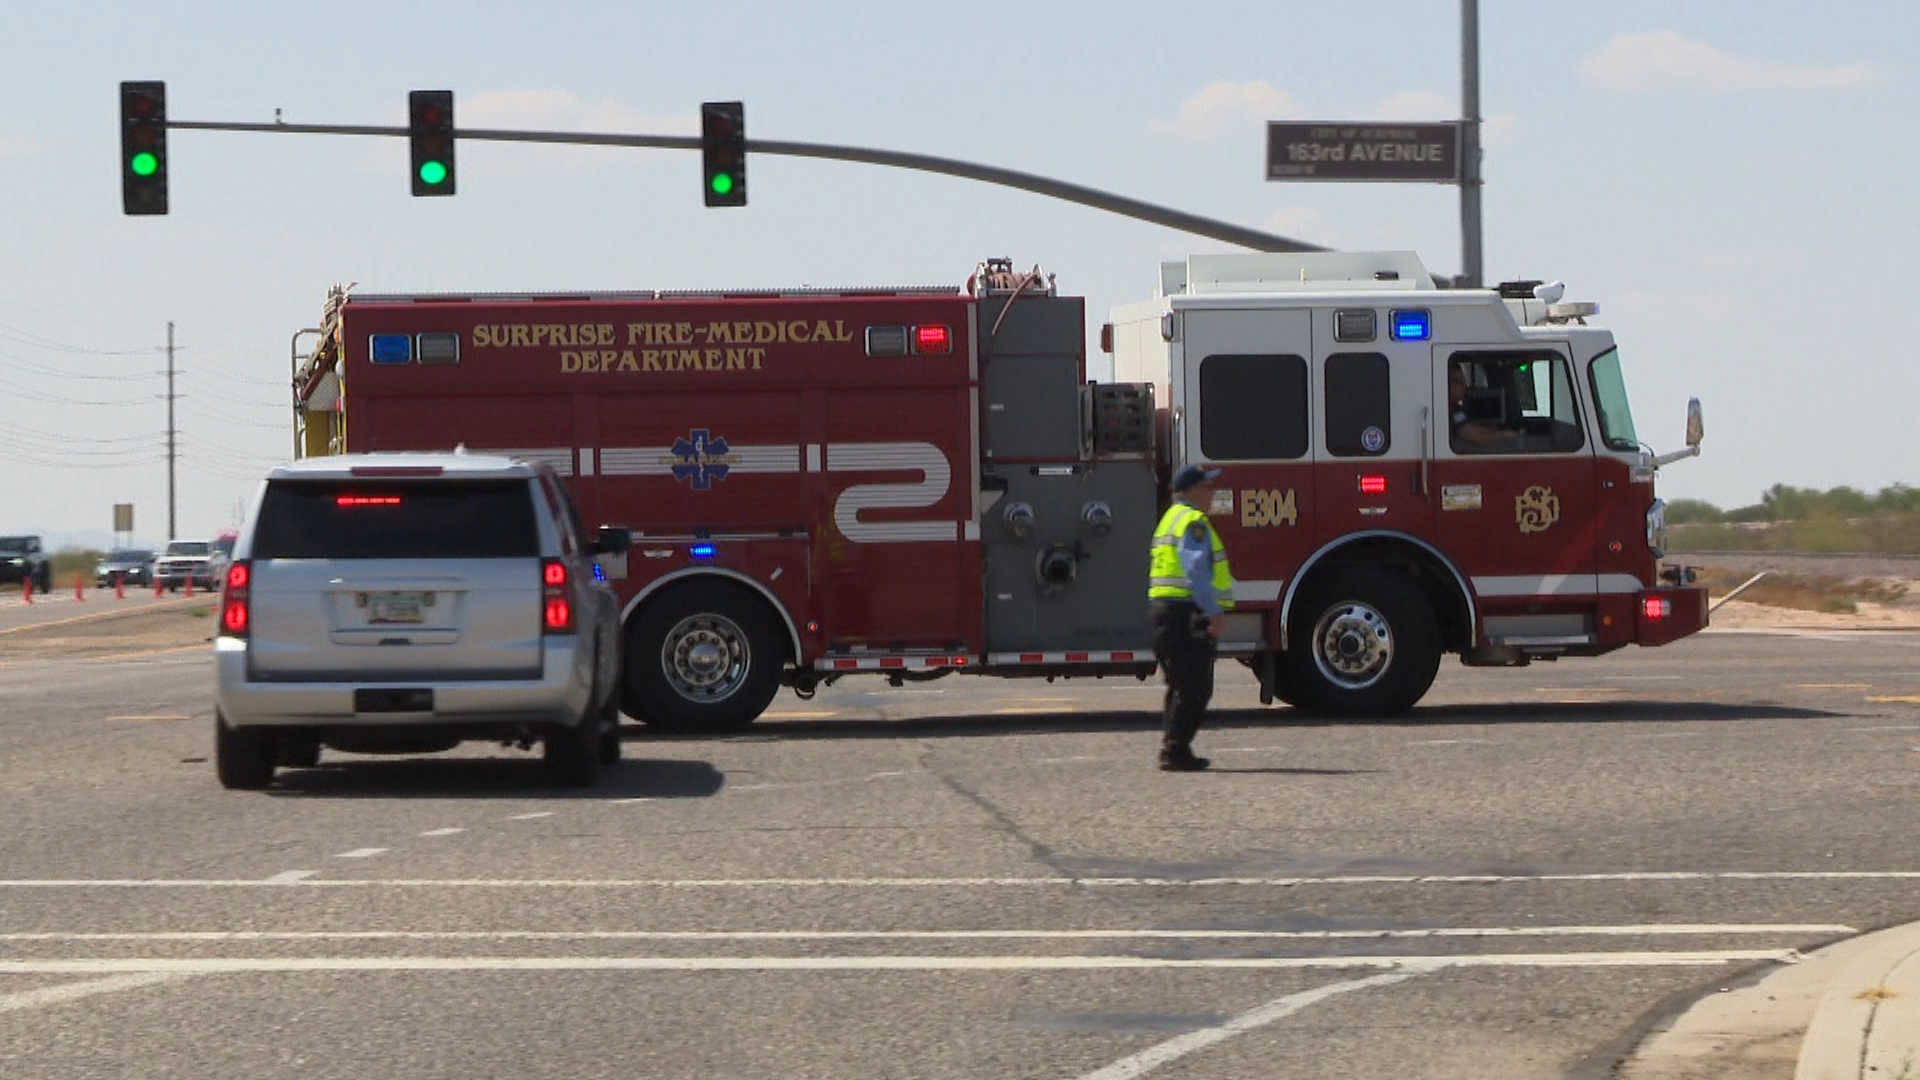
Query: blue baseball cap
[1193,475]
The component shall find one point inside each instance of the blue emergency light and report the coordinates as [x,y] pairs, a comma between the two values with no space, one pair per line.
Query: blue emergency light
[1412,325]
[391,349]
[701,551]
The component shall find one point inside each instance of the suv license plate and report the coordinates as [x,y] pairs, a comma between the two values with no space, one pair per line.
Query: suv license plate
[396,607]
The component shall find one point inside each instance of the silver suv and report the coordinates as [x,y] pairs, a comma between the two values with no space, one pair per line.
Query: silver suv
[403,603]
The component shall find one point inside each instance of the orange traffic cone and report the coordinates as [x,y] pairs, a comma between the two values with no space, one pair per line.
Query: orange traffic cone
[26,590]
[119,586]
[159,589]
[189,586]
[79,587]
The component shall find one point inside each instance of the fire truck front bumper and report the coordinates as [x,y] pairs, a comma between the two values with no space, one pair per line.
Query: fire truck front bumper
[1668,614]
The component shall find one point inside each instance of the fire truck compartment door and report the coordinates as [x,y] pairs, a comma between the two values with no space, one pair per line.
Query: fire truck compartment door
[1244,392]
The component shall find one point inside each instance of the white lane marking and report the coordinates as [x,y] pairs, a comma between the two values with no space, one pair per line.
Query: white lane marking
[1450,742]
[1280,1008]
[980,882]
[442,832]
[289,877]
[361,853]
[1897,727]
[58,995]
[635,799]
[1678,734]
[1651,930]
[530,817]
[241,964]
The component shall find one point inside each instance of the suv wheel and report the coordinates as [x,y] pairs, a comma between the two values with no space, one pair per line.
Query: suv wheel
[573,754]
[704,657]
[243,760]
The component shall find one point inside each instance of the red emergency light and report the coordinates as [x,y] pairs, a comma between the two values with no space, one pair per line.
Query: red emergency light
[1373,484]
[344,501]
[1657,607]
[932,340]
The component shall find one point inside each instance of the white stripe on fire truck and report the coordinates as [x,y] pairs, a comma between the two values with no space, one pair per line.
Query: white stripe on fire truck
[1557,585]
[891,662]
[659,460]
[1109,656]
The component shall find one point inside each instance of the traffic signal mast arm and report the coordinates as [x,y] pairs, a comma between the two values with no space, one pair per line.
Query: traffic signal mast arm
[1195,224]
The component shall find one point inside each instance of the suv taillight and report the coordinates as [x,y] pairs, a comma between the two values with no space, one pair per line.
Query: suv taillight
[236,616]
[556,609]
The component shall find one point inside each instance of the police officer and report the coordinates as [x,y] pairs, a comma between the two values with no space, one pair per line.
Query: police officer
[1189,586]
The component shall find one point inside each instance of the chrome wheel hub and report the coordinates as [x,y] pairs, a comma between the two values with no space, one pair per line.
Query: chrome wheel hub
[706,658]
[1353,646]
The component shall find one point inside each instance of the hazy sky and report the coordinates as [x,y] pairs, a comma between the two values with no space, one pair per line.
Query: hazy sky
[1732,182]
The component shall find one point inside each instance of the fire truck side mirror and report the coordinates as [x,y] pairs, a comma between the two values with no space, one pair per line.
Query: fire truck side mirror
[1695,427]
[612,540]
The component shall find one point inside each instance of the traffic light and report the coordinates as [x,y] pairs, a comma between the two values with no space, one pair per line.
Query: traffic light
[143,147]
[430,130]
[723,152]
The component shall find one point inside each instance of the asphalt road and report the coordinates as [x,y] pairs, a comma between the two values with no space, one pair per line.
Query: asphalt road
[968,878]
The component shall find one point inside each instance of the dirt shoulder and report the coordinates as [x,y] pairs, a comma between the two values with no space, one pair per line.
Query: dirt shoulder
[177,627]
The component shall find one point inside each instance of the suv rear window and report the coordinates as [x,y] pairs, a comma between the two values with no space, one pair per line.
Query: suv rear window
[397,519]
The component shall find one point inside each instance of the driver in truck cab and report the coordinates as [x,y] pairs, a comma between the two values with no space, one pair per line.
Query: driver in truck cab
[1476,433]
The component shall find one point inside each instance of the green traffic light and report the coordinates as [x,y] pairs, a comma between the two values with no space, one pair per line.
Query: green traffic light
[433,172]
[144,164]
[722,183]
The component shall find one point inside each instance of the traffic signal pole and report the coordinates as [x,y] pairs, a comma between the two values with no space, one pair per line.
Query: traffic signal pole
[1224,231]
[1471,272]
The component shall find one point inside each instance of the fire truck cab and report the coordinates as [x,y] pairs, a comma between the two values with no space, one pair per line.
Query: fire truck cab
[916,482]
[1409,470]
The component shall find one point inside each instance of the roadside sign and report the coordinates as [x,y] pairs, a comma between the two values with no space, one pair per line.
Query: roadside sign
[123,517]
[1408,153]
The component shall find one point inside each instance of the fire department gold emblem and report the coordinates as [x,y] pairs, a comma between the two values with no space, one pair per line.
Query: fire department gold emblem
[1536,509]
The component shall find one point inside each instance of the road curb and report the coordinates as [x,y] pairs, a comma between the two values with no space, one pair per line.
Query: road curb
[1868,1021]
[1840,1008]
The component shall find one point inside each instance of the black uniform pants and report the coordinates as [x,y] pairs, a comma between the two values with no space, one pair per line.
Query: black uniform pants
[1185,652]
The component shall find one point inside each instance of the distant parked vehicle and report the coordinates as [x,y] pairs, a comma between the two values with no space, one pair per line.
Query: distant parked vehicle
[184,561]
[22,558]
[130,566]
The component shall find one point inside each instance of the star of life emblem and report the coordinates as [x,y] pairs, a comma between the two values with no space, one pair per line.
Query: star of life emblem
[700,459]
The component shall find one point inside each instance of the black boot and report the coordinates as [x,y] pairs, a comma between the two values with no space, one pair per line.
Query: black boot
[1178,757]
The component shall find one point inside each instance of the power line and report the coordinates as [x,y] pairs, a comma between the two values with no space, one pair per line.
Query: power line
[56,399]
[26,337]
[8,359]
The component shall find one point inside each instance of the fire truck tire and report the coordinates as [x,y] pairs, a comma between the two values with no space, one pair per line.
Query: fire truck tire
[1364,643]
[705,657]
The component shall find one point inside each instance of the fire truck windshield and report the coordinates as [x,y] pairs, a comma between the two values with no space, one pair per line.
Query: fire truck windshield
[1610,395]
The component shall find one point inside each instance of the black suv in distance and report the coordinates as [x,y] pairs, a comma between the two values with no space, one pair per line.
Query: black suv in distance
[23,559]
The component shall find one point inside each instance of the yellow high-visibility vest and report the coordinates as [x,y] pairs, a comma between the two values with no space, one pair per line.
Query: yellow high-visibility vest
[1166,579]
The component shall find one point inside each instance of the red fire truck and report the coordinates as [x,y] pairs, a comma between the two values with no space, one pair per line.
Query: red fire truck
[916,482]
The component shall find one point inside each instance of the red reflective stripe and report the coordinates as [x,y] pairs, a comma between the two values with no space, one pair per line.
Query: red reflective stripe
[892,661]
[1032,657]
[844,665]
[1122,656]
[1076,658]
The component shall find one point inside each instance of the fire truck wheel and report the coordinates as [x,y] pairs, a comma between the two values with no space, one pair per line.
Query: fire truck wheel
[1364,643]
[704,657]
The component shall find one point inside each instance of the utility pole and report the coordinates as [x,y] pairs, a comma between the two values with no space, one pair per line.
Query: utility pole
[1470,266]
[171,532]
